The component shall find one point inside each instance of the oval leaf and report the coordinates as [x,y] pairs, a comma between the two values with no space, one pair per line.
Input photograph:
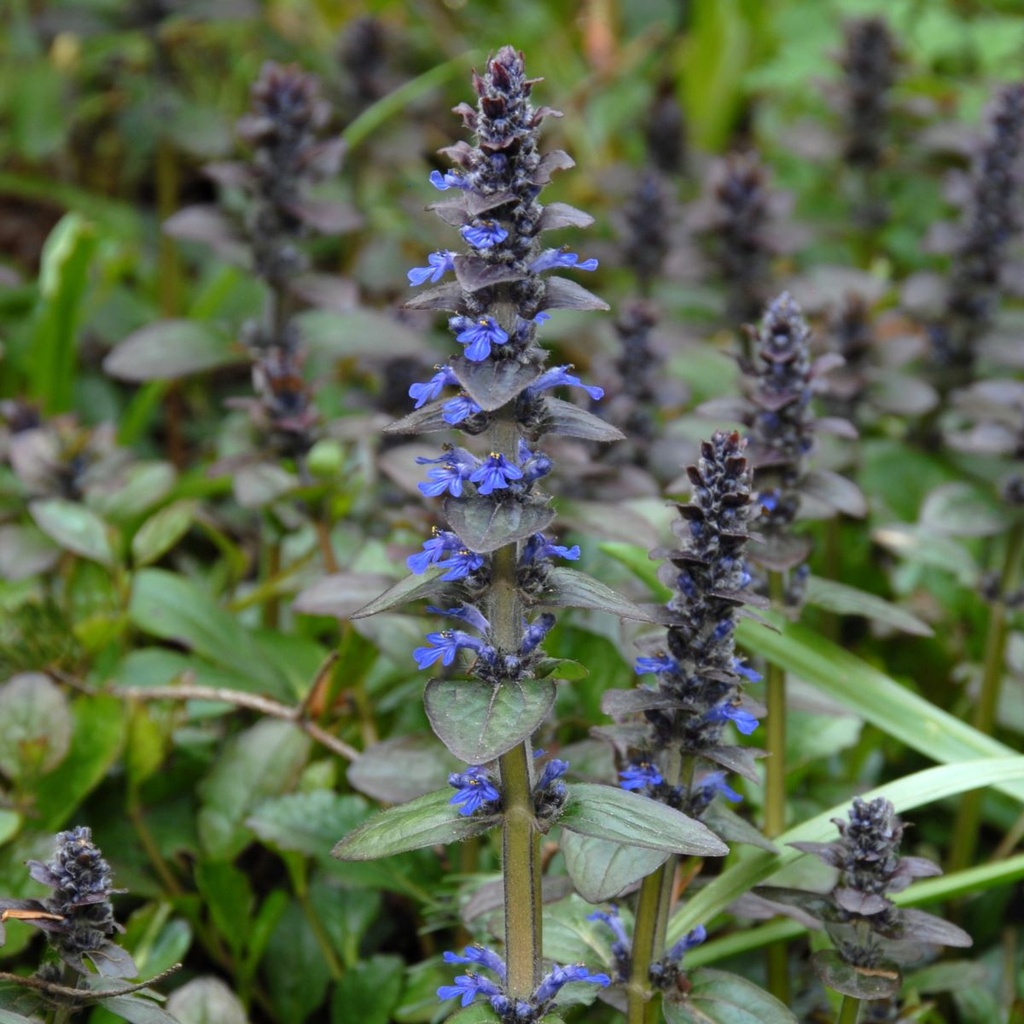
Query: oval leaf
[602,870]
[162,531]
[880,983]
[170,349]
[74,527]
[478,722]
[838,597]
[717,997]
[412,588]
[486,525]
[430,820]
[606,812]
[570,588]
[35,726]
[960,510]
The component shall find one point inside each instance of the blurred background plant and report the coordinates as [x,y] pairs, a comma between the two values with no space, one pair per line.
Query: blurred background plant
[180,669]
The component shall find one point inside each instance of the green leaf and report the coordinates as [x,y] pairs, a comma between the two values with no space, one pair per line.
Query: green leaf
[173,608]
[716,997]
[401,769]
[477,1013]
[35,726]
[478,722]
[144,485]
[872,694]
[206,1000]
[307,823]
[261,762]
[431,820]
[905,794]
[963,510]
[10,1017]
[602,870]
[486,524]
[136,1010]
[332,336]
[10,823]
[63,278]
[846,600]
[170,349]
[162,531]
[369,991]
[228,898]
[74,527]
[607,812]
[296,973]
[99,729]
[411,588]
[881,982]
[569,588]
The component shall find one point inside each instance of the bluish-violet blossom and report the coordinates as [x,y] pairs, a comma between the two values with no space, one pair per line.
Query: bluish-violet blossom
[484,235]
[468,986]
[495,474]
[723,629]
[533,464]
[623,943]
[466,612]
[688,941]
[450,179]
[553,771]
[440,263]
[539,547]
[640,775]
[427,392]
[534,633]
[551,258]
[741,668]
[714,782]
[660,663]
[460,565]
[553,981]
[477,954]
[558,376]
[457,409]
[478,335]
[450,470]
[474,789]
[446,645]
[437,547]
[728,712]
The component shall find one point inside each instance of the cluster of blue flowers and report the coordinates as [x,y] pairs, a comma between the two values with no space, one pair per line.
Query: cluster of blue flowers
[469,986]
[665,970]
[699,677]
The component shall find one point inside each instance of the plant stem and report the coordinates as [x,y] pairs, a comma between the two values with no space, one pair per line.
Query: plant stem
[849,1010]
[965,832]
[520,839]
[642,1008]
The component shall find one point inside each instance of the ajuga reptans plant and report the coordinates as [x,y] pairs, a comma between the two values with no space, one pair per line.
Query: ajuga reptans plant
[491,568]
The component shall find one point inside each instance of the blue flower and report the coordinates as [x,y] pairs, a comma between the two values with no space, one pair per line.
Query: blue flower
[434,549]
[450,179]
[742,669]
[446,645]
[659,664]
[539,547]
[623,943]
[440,263]
[551,258]
[467,987]
[688,941]
[477,954]
[714,782]
[495,474]
[553,771]
[467,612]
[474,789]
[557,376]
[477,335]
[728,712]
[723,629]
[424,393]
[534,465]
[553,981]
[640,775]
[455,466]
[455,410]
[484,235]
[461,564]
[534,634]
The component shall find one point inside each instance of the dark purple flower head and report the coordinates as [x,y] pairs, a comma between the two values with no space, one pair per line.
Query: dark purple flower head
[869,61]
[475,790]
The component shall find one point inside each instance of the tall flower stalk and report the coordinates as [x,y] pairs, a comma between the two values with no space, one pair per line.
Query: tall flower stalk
[679,756]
